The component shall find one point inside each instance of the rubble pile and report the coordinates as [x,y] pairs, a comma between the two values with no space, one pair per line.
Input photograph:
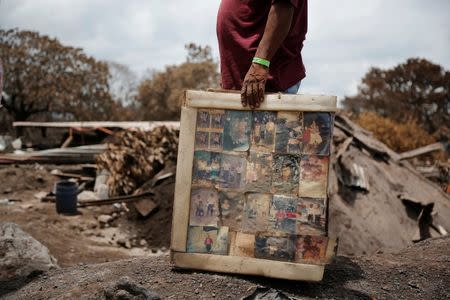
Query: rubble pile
[134,157]
[378,201]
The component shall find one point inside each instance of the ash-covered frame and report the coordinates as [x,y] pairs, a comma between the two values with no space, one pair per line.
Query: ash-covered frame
[193,101]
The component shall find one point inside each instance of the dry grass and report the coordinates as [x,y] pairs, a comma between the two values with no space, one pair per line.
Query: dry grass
[400,137]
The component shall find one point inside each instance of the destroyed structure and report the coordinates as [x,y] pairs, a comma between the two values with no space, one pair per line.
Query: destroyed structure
[379,201]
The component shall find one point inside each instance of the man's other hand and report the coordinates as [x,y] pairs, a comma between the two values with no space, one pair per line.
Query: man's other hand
[254,85]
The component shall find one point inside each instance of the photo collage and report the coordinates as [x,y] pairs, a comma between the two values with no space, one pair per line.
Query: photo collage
[259,184]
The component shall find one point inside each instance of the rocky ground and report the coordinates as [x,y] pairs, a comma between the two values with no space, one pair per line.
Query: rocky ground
[110,252]
[420,271]
[95,234]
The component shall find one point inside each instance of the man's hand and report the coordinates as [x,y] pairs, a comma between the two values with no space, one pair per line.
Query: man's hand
[254,85]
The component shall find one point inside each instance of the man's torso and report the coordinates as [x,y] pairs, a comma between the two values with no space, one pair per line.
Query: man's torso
[240,27]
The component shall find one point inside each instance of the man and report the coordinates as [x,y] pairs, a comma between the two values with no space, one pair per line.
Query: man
[260,43]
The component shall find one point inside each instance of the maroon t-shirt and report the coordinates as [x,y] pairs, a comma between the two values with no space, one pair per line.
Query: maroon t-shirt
[240,27]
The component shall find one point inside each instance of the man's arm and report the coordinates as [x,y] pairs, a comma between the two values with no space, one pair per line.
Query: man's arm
[277,28]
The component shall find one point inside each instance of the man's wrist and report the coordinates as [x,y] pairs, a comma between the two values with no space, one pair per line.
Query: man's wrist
[261,61]
[260,68]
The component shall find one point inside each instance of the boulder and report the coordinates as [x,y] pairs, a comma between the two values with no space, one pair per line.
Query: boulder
[21,254]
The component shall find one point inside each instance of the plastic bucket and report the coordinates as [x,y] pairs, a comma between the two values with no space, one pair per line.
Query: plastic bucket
[66,197]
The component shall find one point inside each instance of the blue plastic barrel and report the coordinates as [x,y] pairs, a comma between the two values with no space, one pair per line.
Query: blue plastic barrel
[66,197]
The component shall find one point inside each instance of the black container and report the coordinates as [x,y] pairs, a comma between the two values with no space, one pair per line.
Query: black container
[66,197]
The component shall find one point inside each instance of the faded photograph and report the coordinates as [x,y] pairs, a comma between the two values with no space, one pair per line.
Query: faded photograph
[201,140]
[285,174]
[289,132]
[206,167]
[207,239]
[203,119]
[263,131]
[311,216]
[231,206]
[313,176]
[237,127]
[232,171]
[256,212]
[275,247]
[311,249]
[317,133]
[204,209]
[259,172]
[283,214]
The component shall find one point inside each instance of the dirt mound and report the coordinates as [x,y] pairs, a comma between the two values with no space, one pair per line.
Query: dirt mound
[418,272]
[156,227]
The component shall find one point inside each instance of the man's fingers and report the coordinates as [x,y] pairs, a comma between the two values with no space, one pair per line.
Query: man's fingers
[255,93]
[260,95]
[249,95]
[244,101]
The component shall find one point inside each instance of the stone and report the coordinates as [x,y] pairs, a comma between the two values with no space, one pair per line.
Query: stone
[124,243]
[104,219]
[91,225]
[87,196]
[26,206]
[126,288]
[40,179]
[20,254]
[40,195]
[128,244]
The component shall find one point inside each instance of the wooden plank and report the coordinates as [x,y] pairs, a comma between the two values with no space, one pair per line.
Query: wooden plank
[145,206]
[99,124]
[112,200]
[75,155]
[248,265]
[422,150]
[183,179]
[273,102]
[331,250]
[73,175]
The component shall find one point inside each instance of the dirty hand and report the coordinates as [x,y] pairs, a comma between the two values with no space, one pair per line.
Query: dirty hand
[252,92]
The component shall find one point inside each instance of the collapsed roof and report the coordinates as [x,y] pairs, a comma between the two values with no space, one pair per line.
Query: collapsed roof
[377,200]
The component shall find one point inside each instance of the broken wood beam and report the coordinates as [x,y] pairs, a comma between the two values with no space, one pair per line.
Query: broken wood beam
[112,200]
[364,138]
[72,155]
[72,175]
[422,150]
[143,125]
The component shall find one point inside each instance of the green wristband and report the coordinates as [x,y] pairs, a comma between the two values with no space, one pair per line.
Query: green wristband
[261,61]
